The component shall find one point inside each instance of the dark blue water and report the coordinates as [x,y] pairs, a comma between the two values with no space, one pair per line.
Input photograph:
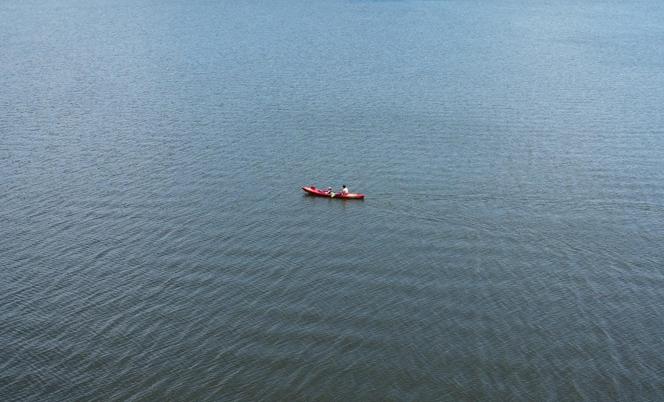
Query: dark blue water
[155,243]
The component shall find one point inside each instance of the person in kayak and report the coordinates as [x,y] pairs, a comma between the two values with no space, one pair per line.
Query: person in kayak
[344,190]
[330,192]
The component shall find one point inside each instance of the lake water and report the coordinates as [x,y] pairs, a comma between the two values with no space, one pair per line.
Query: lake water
[155,243]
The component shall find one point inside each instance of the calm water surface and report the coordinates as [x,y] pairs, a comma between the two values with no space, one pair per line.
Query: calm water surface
[155,243]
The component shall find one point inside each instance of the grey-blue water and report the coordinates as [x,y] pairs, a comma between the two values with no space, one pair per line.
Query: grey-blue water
[155,243]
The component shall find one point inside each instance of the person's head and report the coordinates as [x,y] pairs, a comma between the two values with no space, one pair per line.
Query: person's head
[344,186]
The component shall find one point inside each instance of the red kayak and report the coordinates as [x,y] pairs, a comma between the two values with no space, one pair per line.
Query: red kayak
[312,190]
